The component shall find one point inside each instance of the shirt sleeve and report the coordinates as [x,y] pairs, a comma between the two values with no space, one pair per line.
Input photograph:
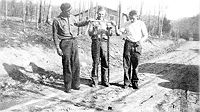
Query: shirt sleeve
[80,23]
[54,31]
[144,30]
[123,29]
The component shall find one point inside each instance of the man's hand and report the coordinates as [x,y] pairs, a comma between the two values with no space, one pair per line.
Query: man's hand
[113,23]
[59,51]
[91,20]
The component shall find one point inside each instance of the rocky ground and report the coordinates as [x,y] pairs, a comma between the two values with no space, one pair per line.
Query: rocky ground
[31,75]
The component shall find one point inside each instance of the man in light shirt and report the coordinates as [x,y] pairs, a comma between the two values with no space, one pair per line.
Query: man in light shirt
[135,33]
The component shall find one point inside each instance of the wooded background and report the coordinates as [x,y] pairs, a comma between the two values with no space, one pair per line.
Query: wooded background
[42,13]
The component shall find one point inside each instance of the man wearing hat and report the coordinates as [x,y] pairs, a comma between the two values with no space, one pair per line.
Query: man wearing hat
[136,33]
[67,46]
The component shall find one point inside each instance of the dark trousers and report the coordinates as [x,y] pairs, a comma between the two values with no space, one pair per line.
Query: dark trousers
[71,64]
[99,54]
[131,56]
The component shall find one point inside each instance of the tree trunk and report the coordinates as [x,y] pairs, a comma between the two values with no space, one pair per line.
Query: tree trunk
[141,9]
[89,9]
[37,12]
[79,16]
[161,26]
[40,13]
[27,11]
[44,11]
[82,17]
[6,10]
[96,9]
[48,20]
[149,25]
[119,21]
[158,30]
[24,15]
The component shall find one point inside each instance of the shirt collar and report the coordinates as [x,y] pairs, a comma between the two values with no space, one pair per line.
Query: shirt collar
[65,18]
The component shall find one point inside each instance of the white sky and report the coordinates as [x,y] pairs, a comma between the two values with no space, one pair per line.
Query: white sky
[175,9]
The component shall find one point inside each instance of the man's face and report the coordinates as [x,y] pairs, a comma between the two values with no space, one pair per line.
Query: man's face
[133,17]
[101,14]
[65,13]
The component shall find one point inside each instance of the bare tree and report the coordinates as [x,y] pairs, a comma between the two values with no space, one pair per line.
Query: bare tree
[44,11]
[48,19]
[13,8]
[31,10]
[40,12]
[149,22]
[6,10]
[119,21]
[161,15]
[96,9]
[37,12]
[79,16]
[158,30]
[141,8]
[89,8]
[24,14]
[27,10]
[162,19]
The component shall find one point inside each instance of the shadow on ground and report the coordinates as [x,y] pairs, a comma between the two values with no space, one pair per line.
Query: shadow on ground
[18,73]
[45,77]
[180,76]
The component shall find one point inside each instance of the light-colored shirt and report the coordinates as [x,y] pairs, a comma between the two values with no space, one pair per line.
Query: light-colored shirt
[134,31]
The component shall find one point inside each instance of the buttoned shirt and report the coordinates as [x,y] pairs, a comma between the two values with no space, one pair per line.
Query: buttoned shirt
[135,30]
[64,28]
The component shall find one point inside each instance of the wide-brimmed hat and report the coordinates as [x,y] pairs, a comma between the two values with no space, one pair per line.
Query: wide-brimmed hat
[65,7]
[133,12]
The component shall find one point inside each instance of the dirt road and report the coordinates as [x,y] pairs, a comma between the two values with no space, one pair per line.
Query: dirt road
[168,83]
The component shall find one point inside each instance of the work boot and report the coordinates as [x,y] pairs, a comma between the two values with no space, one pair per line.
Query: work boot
[104,78]
[135,85]
[106,84]
[127,84]
[68,91]
[94,82]
[76,88]
[130,85]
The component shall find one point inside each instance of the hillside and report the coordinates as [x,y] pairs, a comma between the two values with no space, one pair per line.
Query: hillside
[31,70]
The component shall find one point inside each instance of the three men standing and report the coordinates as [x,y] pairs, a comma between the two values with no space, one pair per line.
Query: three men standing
[67,47]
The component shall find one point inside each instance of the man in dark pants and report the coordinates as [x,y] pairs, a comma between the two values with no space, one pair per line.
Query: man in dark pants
[136,33]
[99,31]
[67,46]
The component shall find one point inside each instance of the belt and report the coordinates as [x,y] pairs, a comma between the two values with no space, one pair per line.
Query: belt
[72,38]
[100,39]
[131,41]
[133,44]
[65,37]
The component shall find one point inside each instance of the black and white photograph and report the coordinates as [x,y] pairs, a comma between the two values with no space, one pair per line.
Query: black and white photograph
[99,56]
